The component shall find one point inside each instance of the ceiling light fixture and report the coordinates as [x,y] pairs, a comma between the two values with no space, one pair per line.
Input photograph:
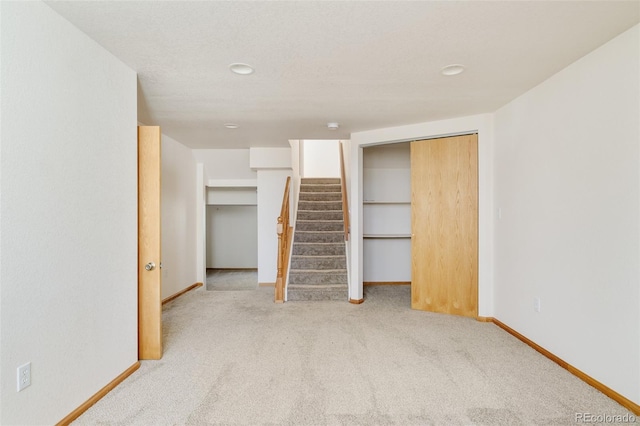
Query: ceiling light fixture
[231,125]
[333,126]
[453,69]
[242,69]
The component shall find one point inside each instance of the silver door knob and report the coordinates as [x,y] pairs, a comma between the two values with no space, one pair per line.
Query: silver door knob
[150,266]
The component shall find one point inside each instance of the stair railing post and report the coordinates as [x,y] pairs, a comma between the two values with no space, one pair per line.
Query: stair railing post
[279,294]
[283,244]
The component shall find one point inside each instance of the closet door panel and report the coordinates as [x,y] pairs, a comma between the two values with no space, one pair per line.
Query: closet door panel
[444,223]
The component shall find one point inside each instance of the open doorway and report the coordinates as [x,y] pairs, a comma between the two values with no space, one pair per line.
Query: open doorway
[232,239]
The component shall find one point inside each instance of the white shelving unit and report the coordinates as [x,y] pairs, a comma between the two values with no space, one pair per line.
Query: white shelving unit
[387,213]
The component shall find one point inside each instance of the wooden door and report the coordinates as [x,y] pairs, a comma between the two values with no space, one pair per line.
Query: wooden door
[149,241]
[444,225]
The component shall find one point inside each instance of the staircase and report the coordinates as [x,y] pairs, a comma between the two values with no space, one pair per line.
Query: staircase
[318,262]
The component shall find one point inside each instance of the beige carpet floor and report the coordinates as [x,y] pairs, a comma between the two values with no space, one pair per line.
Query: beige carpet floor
[231,280]
[236,358]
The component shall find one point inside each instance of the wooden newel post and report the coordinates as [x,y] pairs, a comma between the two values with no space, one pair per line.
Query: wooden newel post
[279,294]
[283,244]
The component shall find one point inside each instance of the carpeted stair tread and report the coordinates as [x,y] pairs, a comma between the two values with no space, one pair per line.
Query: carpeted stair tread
[321,232]
[326,286]
[327,211]
[320,196]
[315,204]
[322,187]
[333,244]
[321,249]
[309,257]
[316,181]
[315,277]
[319,215]
[318,236]
[320,225]
[319,205]
[318,221]
[318,262]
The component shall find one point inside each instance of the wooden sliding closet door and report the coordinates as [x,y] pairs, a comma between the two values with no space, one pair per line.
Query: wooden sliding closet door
[444,225]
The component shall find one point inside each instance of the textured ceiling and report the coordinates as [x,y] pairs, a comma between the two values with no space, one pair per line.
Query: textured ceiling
[366,65]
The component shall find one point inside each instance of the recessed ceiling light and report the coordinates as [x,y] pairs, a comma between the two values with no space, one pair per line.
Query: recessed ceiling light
[453,69]
[333,126]
[231,125]
[242,69]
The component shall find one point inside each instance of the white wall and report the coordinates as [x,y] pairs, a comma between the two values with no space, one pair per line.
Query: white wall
[225,164]
[483,125]
[232,196]
[296,168]
[346,152]
[345,146]
[232,236]
[321,158]
[68,215]
[567,182]
[201,240]
[270,189]
[179,213]
[273,166]
[270,158]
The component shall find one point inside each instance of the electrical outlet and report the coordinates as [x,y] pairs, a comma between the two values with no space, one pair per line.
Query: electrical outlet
[24,376]
[536,304]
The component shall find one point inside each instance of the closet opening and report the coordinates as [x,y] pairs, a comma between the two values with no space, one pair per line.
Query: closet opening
[232,238]
[387,221]
[420,221]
